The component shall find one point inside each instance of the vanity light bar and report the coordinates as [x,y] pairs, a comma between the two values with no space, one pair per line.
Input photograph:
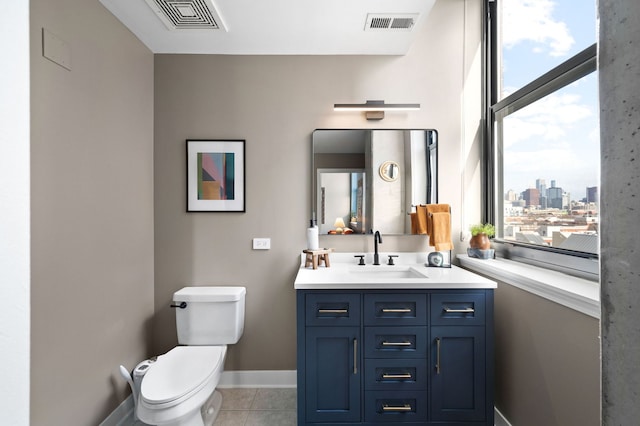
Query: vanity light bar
[376,106]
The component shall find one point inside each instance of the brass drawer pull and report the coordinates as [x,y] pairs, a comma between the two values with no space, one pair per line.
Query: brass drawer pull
[405,407]
[333,311]
[458,311]
[397,376]
[396,343]
[396,311]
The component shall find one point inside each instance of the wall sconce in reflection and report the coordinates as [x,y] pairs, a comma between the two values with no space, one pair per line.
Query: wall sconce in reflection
[374,110]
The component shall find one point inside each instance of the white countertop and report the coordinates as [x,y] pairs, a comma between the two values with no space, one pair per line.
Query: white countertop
[345,274]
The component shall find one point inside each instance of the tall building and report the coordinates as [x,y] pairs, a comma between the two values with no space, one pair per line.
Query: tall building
[555,199]
[592,194]
[541,186]
[531,197]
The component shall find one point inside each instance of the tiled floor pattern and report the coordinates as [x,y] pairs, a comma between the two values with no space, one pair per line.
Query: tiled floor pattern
[252,407]
[257,407]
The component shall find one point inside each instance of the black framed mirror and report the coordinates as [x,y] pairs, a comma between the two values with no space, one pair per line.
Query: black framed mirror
[372,178]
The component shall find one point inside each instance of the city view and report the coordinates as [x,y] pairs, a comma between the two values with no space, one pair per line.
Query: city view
[549,215]
[550,157]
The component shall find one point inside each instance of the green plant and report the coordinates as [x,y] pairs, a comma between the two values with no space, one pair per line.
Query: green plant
[488,229]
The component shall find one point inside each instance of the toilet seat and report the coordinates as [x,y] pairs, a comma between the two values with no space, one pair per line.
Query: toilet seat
[179,374]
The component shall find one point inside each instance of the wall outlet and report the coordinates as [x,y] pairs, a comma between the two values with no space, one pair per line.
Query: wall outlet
[261,243]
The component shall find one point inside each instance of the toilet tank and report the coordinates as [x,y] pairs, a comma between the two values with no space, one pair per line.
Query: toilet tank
[212,316]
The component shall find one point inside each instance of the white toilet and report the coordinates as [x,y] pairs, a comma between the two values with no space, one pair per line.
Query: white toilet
[179,387]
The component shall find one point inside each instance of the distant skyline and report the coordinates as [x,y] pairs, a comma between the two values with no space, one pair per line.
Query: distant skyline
[556,138]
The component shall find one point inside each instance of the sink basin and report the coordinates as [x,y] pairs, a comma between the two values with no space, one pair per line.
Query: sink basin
[383,272]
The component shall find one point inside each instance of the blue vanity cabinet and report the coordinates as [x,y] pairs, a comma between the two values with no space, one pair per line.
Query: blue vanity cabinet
[406,356]
[395,357]
[329,367]
[462,357]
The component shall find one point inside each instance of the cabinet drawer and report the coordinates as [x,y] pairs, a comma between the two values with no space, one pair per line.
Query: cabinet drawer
[395,374]
[395,342]
[332,309]
[458,309]
[395,407]
[395,309]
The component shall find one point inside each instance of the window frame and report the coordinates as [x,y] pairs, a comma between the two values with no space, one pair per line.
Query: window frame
[581,264]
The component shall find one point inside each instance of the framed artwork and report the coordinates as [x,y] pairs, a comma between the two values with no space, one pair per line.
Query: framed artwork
[215,176]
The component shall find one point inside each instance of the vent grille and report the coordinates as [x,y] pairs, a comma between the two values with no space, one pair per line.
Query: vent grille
[187,14]
[391,22]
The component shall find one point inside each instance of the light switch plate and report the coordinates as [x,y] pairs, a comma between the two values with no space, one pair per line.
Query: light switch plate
[261,243]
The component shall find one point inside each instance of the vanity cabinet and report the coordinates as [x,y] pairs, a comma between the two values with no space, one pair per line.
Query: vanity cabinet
[415,356]
[331,324]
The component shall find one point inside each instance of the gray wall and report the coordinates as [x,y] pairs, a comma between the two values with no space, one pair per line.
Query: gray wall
[92,212]
[619,65]
[547,361]
[275,102]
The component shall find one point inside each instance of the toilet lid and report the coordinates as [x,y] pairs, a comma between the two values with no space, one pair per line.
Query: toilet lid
[182,370]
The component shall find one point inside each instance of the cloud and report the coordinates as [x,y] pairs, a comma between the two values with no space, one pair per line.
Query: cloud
[553,138]
[532,20]
[550,119]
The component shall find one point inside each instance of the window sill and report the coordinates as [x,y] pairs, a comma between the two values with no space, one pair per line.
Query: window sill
[576,293]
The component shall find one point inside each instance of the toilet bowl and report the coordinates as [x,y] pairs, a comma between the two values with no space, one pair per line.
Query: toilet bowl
[177,385]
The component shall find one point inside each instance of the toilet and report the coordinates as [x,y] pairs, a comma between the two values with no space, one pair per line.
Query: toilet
[179,387]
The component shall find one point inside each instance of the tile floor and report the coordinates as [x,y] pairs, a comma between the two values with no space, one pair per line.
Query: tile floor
[254,407]
[257,407]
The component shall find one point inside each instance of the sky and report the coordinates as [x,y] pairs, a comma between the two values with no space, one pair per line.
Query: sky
[556,138]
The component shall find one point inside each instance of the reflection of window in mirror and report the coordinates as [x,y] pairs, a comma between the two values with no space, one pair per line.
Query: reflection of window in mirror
[389,171]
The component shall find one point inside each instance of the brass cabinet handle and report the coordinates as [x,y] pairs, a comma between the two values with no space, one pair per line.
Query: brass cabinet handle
[405,407]
[395,311]
[333,311]
[355,356]
[397,376]
[458,311]
[396,343]
[437,355]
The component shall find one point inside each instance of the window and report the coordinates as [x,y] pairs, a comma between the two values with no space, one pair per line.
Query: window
[543,169]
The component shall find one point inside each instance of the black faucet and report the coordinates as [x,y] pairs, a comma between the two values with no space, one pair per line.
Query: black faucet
[376,239]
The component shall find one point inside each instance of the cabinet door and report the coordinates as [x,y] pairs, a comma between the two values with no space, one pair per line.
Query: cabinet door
[333,365]
[458,373]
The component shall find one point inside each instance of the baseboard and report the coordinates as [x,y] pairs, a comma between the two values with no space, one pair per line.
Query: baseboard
[258,379]
[500,419]
[229,379]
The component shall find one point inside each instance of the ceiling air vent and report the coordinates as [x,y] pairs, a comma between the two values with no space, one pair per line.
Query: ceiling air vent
[390,21]
[187,14]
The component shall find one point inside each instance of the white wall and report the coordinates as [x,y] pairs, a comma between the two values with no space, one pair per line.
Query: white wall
[14,214]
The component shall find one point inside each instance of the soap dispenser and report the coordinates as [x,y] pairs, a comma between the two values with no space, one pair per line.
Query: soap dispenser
[312,236]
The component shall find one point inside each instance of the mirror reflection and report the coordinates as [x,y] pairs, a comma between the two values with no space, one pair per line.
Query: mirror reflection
[372,179]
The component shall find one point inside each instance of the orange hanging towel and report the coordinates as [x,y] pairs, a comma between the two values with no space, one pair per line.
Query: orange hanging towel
[419,220]
[440,236]
[434,208]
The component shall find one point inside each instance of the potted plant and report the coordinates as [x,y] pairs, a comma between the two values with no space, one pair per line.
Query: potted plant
[480,234]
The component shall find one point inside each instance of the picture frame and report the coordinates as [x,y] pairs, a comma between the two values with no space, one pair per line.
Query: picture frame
[216,175]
